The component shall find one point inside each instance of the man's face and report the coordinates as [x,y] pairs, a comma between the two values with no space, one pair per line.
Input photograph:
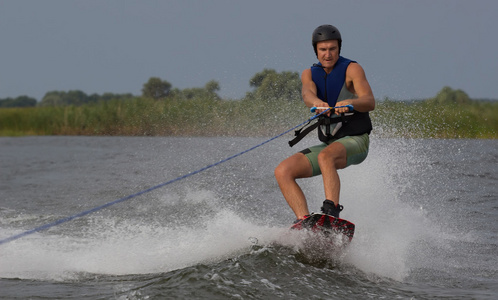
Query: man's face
[328,53]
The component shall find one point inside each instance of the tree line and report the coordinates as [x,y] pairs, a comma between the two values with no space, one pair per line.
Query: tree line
[273,105]
[269,84]
[21,101]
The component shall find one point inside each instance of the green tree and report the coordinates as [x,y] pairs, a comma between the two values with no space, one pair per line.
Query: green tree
[209,91]
[75,97]
[212,87]
[57,98]
[271,85]
[447,95]
[52,98]
[21,101]
[156,88]
[257,80]
[111,96]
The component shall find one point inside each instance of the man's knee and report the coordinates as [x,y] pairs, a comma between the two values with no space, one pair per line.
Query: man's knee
[280,171]
[294,167]
[333,155]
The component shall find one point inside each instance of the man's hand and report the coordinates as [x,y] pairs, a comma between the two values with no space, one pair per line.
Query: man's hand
[341,110]
[321,105]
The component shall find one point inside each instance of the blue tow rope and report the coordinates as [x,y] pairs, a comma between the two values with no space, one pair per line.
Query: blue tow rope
[87,212]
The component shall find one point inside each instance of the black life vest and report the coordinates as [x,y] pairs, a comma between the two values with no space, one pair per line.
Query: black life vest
[329,87]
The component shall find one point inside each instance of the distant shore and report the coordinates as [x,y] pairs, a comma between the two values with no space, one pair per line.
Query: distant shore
[146,117]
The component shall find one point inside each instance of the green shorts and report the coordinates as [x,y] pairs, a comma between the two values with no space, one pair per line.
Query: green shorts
[356,148]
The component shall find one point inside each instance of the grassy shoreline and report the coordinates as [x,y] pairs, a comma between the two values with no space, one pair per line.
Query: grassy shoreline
[199,117]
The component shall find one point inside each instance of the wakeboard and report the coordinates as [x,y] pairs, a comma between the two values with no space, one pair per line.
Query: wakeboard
[327,226]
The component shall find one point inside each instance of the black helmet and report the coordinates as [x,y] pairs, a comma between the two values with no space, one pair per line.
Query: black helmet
[325,33]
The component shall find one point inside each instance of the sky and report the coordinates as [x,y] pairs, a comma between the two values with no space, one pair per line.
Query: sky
[408,49]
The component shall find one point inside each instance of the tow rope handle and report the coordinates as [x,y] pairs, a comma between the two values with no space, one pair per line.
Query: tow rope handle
[302,132]
[349,106]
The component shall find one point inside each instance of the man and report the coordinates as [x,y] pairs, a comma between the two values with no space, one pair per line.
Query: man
[335,81]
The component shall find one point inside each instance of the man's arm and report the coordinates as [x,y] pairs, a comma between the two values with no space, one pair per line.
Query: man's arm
[308,91]
[357,83]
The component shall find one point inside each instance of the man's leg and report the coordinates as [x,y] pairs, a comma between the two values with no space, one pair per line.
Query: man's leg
[349,150]
[286,173]
[331,159]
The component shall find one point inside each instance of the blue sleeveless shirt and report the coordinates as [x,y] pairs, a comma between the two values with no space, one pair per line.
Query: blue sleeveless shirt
[329,86]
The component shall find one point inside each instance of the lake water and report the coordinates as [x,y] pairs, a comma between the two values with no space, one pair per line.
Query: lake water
[425,214]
